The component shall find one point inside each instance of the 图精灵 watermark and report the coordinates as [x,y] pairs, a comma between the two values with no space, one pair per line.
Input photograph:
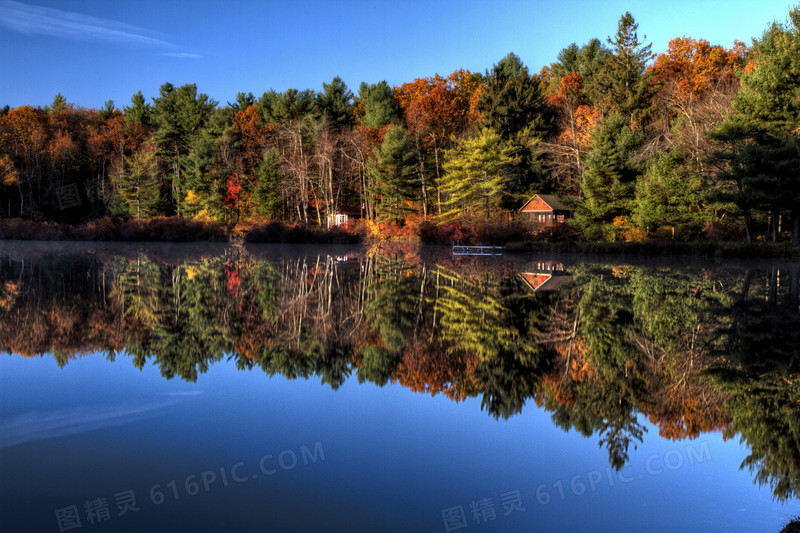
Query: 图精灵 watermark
[485,509]
[104,509]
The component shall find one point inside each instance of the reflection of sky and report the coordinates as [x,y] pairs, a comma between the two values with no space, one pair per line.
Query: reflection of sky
[37,425]
[393,459]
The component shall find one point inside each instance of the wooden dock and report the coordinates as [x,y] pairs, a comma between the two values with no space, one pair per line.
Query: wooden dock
[477,250]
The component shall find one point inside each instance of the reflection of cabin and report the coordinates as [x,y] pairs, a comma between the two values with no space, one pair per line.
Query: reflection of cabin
[546,209]
[546,276]
[344,215]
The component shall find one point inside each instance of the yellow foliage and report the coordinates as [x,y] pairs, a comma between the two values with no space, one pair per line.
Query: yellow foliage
[192,271]
[202,215]
[192,198]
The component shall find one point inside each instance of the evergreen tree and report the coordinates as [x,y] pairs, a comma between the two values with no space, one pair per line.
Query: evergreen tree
[139,110]
[587,61]
[243,101]
[763,137]
[179,115]
[476,174]
[58,104]
[108,110]
[379,107]
[623,82]
[672,194]
[513,100]
[138,188]
[394,175]
[335,103]
[609,180]
[267,196]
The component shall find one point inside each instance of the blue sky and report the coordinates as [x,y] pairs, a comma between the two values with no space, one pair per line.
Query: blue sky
[95,50]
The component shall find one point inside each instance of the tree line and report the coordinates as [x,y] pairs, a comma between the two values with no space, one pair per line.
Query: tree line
[700,141]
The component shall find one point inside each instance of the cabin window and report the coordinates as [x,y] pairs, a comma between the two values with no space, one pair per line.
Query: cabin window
[560,218]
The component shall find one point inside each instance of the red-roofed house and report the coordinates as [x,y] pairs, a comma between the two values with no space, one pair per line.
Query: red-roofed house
[546,209]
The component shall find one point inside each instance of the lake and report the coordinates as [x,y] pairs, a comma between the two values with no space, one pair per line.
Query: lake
[277,388]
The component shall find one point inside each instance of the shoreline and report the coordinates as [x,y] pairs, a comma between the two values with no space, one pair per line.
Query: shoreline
[178,230]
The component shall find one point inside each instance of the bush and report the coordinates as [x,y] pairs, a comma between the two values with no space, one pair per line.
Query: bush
[277,232]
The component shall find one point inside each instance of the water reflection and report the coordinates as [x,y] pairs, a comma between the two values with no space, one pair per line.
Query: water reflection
[694,349]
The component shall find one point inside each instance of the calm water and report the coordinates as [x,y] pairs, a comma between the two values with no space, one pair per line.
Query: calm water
[200,388]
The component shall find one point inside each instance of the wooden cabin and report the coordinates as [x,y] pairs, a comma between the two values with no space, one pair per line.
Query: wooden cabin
[546,209]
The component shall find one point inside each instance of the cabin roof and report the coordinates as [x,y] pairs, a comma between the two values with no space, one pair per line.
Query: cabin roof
[541,281]
[551,203]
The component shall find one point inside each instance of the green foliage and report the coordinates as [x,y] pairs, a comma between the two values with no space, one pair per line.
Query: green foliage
[267,196]
[180,116]
[394,174]
[762,139]
[513,100]
[587,61]
[377,365]
[138,111]
[609,180]
[476,174]
[242,102]
[58,104]
[380,107]
[622,82]
[286,107]
[672,193]
[138,188]
[335,103]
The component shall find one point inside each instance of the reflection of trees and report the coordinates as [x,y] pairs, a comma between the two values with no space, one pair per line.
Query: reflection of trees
[695,350]
[759,371]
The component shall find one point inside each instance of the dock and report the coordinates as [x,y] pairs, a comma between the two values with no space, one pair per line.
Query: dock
[477,250]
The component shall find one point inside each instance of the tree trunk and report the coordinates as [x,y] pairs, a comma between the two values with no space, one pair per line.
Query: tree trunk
[796,226]
[748,225]
[774,224]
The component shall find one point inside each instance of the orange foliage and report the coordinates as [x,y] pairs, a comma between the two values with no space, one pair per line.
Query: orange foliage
[689,68]
[253,132]
[430,369]
[437,107]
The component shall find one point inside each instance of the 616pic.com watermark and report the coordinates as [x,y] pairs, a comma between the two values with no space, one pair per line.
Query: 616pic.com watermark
[485,509]
[101,509]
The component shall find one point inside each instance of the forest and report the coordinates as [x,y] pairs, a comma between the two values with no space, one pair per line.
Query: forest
[698,143]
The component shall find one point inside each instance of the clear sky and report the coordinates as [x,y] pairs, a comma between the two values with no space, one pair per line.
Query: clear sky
[95,50]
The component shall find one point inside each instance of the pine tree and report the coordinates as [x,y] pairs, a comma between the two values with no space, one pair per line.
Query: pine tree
[266,197]
[179,115]
[622,81]
[763,137]
[139,110]
[394,175]
[476,174]
[335,102]
[513,100]
[138,188]
[609,180]
[379,107]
